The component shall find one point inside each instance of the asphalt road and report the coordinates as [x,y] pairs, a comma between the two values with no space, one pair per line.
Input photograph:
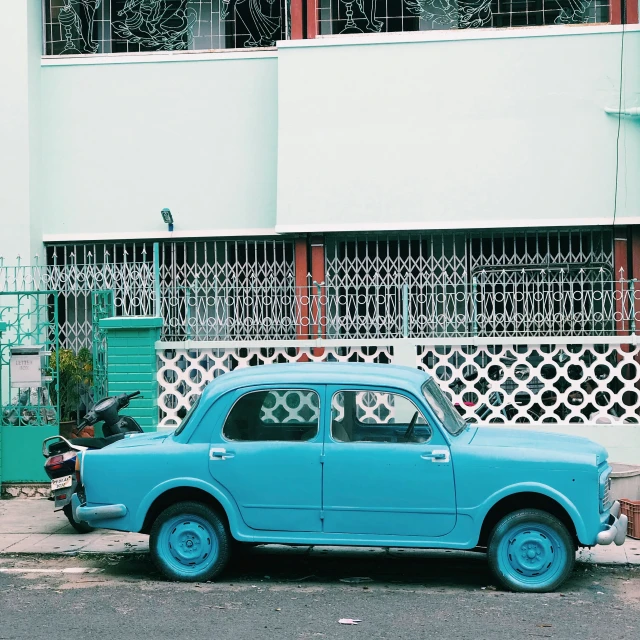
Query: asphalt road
[293,594]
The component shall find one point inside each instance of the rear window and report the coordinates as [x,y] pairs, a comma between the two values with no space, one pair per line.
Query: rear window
[285,415]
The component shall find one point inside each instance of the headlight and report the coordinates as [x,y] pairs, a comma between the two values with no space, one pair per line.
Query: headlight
[605,490]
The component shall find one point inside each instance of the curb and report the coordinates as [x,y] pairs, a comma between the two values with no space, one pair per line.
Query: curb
[22,490]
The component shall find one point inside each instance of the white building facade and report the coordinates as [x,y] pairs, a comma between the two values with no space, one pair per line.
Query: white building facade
[453,186]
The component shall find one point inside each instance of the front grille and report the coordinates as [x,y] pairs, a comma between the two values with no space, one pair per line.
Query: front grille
[606,498]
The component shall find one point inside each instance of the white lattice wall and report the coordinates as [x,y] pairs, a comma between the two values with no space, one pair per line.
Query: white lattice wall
[183,373]
[534,383]
[499,382]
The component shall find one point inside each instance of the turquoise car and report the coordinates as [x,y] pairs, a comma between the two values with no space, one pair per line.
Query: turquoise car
[350,454]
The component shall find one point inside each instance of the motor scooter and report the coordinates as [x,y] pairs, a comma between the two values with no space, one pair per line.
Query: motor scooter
[61,453]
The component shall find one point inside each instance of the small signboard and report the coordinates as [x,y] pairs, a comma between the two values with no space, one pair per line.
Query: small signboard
[26,367]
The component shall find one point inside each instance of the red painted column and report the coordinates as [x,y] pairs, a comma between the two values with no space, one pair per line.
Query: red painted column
[615,14]
[621,271]
[296,19]
[302,288]
[635,270]
[632,15]
[312,19]
[317,276]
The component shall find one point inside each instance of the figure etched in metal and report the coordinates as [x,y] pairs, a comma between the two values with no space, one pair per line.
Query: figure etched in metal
[80,14]
[156,24]
[262,28]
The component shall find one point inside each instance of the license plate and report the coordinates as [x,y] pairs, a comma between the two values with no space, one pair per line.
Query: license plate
[61,483]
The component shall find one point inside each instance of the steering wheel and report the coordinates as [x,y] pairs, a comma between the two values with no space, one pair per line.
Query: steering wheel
[412,425]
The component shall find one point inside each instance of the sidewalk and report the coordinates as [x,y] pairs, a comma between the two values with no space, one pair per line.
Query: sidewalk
[31,526]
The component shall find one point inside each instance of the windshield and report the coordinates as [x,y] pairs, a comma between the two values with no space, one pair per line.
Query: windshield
[442,407]
[186,419]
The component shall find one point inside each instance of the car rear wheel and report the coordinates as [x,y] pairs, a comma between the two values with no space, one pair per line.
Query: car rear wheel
[189,542]
[531,550]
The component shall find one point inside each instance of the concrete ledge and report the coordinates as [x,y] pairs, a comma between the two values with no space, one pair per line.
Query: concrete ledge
[138,322]
[25,490]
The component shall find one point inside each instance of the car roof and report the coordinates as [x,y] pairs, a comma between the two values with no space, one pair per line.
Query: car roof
[351,373]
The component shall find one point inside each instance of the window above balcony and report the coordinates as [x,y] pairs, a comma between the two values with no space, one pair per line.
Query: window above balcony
[73,27]
[374,16]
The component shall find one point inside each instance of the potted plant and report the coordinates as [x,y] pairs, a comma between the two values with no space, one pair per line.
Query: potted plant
[75,377]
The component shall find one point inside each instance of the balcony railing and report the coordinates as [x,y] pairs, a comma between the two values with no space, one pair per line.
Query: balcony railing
[496,307]
[495,303]
[74,27]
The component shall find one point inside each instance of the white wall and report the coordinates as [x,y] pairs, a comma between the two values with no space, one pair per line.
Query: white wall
[480,128]
[124,138]
[20,48]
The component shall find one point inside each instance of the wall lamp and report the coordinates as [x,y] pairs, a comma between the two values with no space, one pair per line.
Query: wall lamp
[168,218]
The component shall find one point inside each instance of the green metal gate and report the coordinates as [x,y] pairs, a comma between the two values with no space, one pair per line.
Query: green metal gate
[102,306]
[28,320]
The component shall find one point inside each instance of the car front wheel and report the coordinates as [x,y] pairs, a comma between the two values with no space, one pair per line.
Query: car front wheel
[189,542]
[531,550]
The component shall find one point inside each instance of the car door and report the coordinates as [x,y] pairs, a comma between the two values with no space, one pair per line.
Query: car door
[384,475]
[267,454]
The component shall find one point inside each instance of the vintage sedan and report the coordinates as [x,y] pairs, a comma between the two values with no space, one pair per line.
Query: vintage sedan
[350,454]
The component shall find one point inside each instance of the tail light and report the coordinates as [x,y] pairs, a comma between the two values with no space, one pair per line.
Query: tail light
[57,462]
[54,462]
[78,475]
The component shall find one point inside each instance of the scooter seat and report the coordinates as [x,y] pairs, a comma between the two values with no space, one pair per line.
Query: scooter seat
[96,443]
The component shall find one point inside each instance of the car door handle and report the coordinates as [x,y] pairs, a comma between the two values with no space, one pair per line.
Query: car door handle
[437,455]
[217,453]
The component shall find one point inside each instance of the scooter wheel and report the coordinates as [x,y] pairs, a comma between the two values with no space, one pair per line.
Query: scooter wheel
[80,527]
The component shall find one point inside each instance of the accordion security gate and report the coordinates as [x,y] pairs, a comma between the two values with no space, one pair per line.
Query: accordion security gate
[414,285]
[456,284]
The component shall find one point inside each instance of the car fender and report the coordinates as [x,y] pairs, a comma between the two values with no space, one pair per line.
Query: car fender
[483,508]
[228,503]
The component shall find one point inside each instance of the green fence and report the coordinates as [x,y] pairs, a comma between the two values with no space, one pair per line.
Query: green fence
[29,411]
[102,306]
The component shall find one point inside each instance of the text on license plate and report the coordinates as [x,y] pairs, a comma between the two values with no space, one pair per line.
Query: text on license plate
[61,483]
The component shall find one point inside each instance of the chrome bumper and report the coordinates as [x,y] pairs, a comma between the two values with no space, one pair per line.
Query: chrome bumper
[94,514]
[617,527]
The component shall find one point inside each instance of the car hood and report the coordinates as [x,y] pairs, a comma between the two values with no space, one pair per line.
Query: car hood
[538,440]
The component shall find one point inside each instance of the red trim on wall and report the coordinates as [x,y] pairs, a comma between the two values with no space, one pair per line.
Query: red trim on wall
[615,16]
[296,19]
[312,19]
[621,260]
[632,13]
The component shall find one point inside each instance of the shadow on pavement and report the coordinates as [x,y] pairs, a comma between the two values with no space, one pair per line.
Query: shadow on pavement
[316,565]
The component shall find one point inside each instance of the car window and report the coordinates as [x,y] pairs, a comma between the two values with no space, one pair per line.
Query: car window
[442,407]
[285,415]
[377,416]
[187,418]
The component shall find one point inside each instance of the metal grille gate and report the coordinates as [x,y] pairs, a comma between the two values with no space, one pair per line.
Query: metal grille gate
[471,283]
[29,319]
[102,306]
